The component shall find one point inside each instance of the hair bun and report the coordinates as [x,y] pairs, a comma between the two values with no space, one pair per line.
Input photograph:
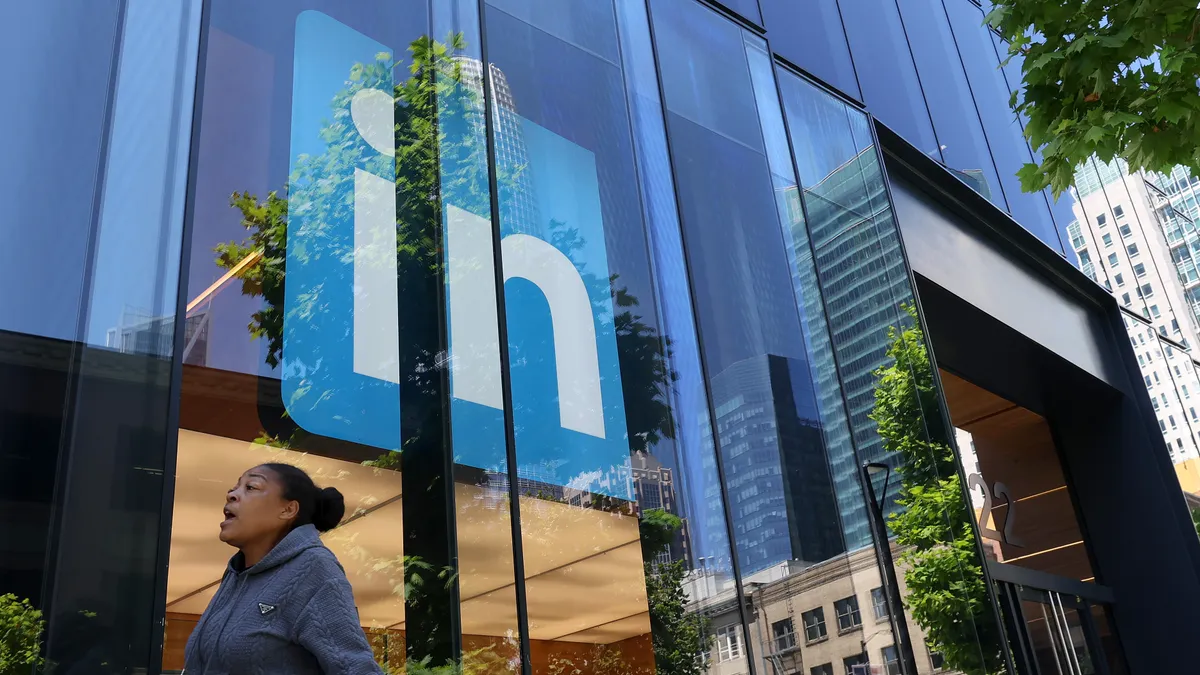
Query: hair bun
[329,509]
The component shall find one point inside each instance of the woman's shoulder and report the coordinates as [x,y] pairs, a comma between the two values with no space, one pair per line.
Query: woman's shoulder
[319,565]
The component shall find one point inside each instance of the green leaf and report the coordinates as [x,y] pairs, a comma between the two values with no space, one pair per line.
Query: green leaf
[1173,111]
[1032,178]
[1096,134]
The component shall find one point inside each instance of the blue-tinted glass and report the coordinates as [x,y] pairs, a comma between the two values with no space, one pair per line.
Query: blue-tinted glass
[697,485]
[747,8]
[826,483]
[1009,149]
[92,193]
[810,35]
[46,203]
[590,369]
[889,81]
[758,357]
[586,25]
[301,247]
[886,374]
[693,85]
[964,146]
[1062,210]
[858,258]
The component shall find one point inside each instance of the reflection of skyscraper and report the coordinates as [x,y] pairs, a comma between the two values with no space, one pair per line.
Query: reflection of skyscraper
[975,178]
[141,333]
[864,281]
[776,470]
[654,486]
[518,208]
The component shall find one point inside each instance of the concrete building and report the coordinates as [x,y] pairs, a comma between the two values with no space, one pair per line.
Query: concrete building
[1135,235]
[824,619]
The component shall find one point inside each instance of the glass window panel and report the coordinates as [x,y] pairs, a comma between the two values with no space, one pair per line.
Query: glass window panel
[886,73]
[627,474]
[91,241]
[747,8]
[754,339]
[692,85]
[704,547]
[1008,145]
[46,205]
[39,215]
[1062,209]
[883,359]
[308,108]
[964,146]
[779,418]
[810,35]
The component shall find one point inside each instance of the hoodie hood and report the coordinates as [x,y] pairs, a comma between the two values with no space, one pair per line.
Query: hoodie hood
[296,542]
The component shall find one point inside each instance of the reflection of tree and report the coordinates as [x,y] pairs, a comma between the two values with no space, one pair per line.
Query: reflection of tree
[440,150]
[681,640]
[947,593]
[21,627]
[438,145]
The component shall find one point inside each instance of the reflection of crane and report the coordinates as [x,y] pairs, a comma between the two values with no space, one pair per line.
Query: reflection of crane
[204,300]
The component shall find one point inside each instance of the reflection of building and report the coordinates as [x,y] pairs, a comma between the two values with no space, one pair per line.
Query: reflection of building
[141,333]
[1136,235]
[776,469]
[976,178]
[863,277]
[654,487]
[832,614]
[518,207]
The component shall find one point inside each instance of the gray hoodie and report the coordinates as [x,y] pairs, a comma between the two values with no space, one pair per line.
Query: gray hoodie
[291,614]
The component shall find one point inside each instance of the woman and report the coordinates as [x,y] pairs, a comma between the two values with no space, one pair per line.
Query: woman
[284,605]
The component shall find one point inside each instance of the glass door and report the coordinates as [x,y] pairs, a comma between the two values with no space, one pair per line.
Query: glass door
[1056,635]
[1059,633]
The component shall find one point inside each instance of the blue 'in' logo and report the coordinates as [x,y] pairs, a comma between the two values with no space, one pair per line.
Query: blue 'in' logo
[341,367]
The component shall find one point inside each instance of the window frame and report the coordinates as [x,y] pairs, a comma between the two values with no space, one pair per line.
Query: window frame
[852,613]
[788,636]
[879,604]
[731,649]
[818,613]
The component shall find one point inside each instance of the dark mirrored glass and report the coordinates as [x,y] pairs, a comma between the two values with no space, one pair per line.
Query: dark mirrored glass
[703,550]
[964,147]
[906,459]
[890,85]
[1009,148]
[340,195]
[47,215]
[779,418]
[614,510]
[749,9]
[88,334]
[810,35]
[1061,208]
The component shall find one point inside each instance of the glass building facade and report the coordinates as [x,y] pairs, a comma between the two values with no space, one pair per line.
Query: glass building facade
[597,312]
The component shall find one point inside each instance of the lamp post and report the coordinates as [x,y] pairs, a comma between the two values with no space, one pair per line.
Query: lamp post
[883,553]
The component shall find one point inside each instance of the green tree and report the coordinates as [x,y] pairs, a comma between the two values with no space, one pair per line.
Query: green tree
[21,629]
[680,638]
[946,590]
[1111,79]
[1196,520]
[440,150]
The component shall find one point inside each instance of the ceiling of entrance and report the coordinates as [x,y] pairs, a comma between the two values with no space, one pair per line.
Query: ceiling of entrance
[583,568]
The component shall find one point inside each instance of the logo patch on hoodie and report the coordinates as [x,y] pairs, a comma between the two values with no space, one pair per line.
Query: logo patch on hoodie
[265,609]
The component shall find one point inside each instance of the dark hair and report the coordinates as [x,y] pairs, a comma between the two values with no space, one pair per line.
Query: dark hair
[320,507]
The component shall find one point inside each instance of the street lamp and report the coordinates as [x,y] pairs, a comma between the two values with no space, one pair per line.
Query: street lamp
[883,553]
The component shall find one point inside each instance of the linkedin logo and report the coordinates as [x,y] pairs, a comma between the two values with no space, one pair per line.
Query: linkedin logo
[341,353]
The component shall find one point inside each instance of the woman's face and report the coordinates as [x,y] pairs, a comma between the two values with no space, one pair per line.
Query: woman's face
[255,510]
